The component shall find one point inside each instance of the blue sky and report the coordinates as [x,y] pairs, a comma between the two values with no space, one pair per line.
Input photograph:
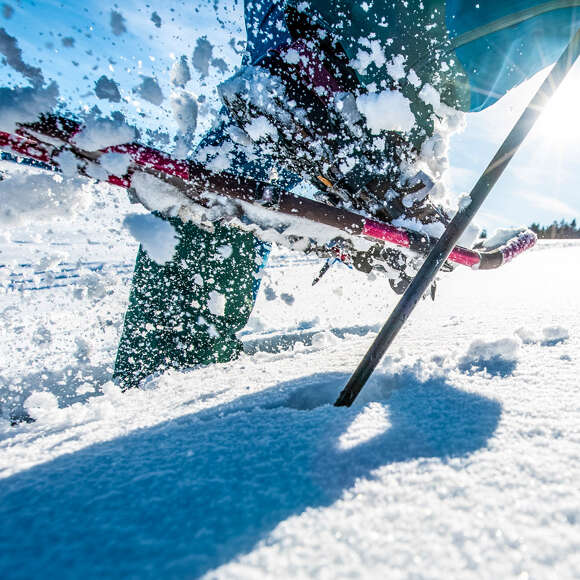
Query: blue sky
[541,184]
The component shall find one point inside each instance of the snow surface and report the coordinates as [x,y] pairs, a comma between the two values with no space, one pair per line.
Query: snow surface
[459,460]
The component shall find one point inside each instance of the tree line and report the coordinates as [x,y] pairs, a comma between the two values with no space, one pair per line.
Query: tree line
[561,230]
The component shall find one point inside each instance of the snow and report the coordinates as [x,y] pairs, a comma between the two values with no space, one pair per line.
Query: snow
[41,405]
[202,56]
[370,52]
[396,67]
[217,303]
[155,194]
[115,163]
[156,235]
[40,197]
[413,78]
[118,23]
[501,236]
[555,334]
[495,356]
[25,104]
[150,90]
[107,89]
[185,111]
[386,111]
[180,74]
[98,133]
[13,54]
[260,128]
[460,458]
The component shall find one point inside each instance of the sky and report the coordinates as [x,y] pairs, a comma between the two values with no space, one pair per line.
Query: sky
[540,184]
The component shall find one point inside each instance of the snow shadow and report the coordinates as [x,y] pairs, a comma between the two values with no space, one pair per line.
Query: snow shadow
[186,496]
[553,341]
[282,342]
[496,366]
[71,384]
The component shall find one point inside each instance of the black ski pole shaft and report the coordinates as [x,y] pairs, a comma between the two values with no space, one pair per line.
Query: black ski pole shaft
[455,229]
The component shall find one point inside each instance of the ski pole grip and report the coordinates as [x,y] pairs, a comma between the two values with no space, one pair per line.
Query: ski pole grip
[504,254]
[524,241]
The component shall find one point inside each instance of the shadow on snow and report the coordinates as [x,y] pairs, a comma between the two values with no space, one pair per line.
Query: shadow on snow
[183,497]
[63,383]
[496,366]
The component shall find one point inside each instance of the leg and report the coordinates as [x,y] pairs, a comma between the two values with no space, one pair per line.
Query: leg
[186,313]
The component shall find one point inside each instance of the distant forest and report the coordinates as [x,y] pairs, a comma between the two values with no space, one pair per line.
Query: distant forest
[561,230]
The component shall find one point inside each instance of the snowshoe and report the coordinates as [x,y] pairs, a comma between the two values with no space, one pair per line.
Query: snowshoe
[298,104]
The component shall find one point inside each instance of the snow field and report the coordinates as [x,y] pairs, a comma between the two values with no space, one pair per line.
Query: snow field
[460,458]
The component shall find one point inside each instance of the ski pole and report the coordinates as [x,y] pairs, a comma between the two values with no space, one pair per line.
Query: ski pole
[195,181]
[455,229]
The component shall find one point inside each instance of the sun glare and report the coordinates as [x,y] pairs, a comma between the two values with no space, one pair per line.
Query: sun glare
[560,120]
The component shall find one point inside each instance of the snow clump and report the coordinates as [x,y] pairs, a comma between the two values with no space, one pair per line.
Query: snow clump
[41,404]
[225,251]
[371,53]
[118,23]
[386,111]
[107,89]
[505,348]
[156,195]
[185,111]
[526,335]
[261,128]
[324,339]
[180,74]
[100,133]
[202,56]
[396,67]
[497,357]
[150,91]
[554,335]
[115,163]
[217,303]
[156,235]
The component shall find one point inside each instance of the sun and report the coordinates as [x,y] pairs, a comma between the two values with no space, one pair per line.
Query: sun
[559,123]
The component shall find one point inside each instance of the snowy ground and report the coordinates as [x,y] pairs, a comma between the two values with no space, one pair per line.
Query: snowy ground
[460,459]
